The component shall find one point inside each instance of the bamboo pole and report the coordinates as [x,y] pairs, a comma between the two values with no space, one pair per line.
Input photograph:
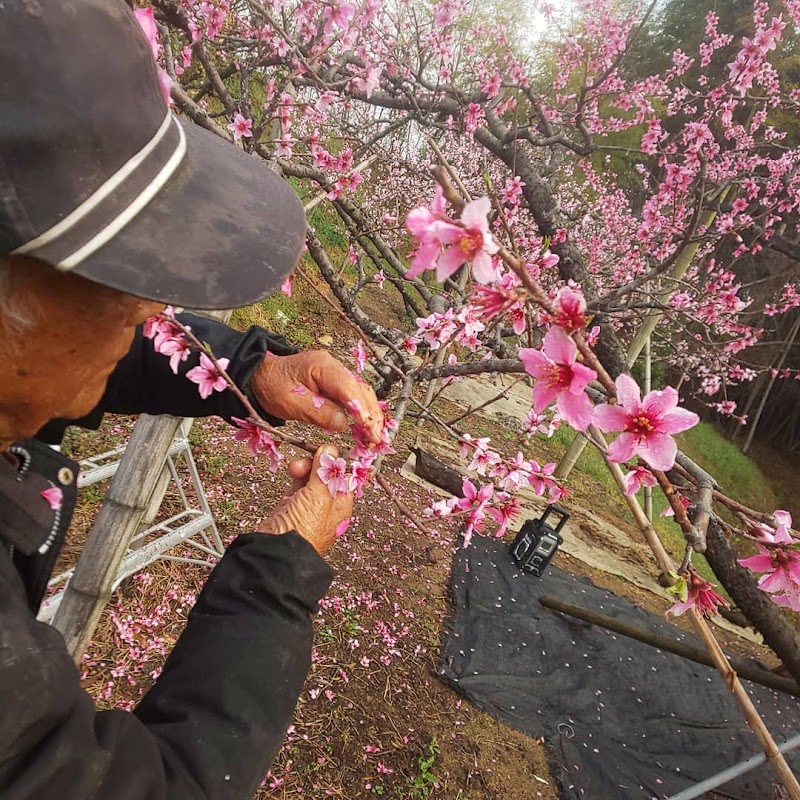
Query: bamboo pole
[663,559]
[690,652]
[773,754]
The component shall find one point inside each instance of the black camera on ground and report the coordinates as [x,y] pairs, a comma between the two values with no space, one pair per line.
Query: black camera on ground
[537,542]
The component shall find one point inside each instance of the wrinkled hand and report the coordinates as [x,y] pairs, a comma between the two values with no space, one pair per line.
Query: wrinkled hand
[308,507]
[314,387]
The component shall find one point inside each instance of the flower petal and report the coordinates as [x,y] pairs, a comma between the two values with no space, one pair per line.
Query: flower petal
[660,401]
[424,258]
[475,213]
[658,450]
[446,232]
[680,608]
[535,362]
[777,581]
[783,518]
[54,497]
[622,448]
[610,418]
[543,395]
[628,392]
[576,409]
[581,377]
[677,421]
[482,268]
[419,221]
[559,347]
[449,261]
[757,563]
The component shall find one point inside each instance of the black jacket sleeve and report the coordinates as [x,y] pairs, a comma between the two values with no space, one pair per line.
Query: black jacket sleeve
[143,382]
[210,725]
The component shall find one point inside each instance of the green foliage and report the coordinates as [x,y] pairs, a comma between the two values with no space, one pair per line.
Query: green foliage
[277,313]
[425,780]
[328,227]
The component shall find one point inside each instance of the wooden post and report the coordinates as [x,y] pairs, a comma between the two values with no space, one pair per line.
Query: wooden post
[137,486]
[117,521]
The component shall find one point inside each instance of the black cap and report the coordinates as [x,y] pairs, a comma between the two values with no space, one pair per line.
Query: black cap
[98,177]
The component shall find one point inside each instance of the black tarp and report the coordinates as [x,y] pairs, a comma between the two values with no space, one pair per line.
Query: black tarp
[623,720]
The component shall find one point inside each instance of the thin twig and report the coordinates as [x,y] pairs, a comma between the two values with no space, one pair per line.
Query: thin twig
[254,416]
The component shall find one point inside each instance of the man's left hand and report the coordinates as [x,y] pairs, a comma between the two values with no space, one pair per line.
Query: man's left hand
[314,387]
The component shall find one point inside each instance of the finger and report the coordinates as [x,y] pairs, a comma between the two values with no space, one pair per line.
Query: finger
[335,382]
[344,506]
[322,412]
[299,471]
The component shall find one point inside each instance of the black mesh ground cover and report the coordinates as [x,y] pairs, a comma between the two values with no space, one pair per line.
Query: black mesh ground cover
[622,719]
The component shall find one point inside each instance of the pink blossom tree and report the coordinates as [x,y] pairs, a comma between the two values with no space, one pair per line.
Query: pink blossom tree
[575,211]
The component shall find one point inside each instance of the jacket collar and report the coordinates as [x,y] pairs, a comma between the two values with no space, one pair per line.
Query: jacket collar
[27,520]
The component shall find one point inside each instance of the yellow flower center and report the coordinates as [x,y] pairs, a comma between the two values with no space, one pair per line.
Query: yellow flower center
[640,425]
[560,375]
[471,243]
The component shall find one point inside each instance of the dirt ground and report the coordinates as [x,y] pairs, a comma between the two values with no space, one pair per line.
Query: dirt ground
[373,720]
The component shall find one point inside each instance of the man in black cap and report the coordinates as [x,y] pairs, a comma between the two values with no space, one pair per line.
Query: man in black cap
[111,207]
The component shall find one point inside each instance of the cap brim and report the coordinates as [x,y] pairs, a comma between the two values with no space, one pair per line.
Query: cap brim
[224,232]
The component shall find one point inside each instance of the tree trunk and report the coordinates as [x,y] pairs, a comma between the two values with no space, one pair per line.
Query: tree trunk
[754,603]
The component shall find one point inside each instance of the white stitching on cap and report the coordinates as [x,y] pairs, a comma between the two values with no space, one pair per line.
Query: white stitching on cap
[100,194]
[122,219]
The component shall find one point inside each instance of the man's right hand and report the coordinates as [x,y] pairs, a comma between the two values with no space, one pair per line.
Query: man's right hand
[308,507]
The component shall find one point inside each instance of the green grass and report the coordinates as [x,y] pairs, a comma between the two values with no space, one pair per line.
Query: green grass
[328,227]
[292,316]
[734,471]
[280,314]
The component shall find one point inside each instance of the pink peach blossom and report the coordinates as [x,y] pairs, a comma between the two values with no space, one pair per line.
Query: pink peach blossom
[333,473]
[468,240]
[259,442]
[570,308]
[241,126]
[560,378]
[780,562]
[639,476]
[646,425]
[700,594]
[207,376]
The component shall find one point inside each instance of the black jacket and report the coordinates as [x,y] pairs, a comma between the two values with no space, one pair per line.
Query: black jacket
[213,721]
